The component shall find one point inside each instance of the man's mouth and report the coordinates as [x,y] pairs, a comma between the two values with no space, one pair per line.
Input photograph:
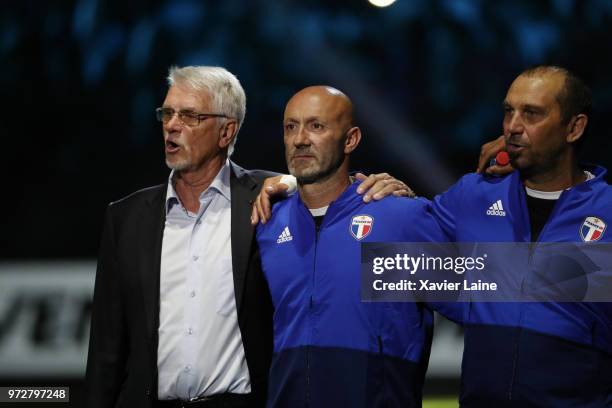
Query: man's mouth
[172,147]
[515,140]
[514,147]
[302,156]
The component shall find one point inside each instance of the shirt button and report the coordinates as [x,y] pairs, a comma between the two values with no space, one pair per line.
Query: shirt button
[190,331]
[187,368]
[195,258]
[192,293]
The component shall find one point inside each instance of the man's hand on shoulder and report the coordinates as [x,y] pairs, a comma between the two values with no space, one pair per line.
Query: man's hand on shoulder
[378,186]
[274,188]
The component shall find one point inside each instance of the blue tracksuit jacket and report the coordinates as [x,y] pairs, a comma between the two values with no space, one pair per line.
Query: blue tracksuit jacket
[531,354]
[331,349]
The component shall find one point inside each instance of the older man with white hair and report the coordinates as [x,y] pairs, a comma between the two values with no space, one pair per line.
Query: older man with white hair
[181,312]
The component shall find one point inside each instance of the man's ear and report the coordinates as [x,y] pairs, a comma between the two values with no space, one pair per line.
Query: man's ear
[576,127]
[353,137]
[227,133]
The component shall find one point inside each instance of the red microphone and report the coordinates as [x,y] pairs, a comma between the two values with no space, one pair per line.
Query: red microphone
[501,159]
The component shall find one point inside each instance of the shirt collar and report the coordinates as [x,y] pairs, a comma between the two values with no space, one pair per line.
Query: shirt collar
[554,195]
[220,185]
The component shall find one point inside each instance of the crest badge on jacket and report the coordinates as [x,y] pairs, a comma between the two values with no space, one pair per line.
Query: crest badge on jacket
[361,226]
[592,229]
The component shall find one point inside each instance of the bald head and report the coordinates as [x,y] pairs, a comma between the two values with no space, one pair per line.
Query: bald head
[323,98]
[319,133]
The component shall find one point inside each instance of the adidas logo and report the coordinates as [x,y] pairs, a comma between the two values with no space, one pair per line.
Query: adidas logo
[285,236]
[496,209]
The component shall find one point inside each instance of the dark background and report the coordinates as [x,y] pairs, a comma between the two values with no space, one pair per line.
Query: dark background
[81,79]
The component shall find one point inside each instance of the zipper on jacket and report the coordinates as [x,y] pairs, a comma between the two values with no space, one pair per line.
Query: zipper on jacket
[381,355]
[515,360]
[311,306]
[532,247]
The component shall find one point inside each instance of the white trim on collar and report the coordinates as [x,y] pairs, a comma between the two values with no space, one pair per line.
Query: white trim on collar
[318,212]
[543,195]
[552,195]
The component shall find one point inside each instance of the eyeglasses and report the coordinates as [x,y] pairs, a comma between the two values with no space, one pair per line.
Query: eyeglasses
[188,118]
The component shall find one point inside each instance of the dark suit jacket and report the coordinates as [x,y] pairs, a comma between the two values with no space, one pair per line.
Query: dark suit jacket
[122,361]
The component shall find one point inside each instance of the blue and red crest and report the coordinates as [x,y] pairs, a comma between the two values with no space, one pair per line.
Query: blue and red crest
[592,229]
[361,226]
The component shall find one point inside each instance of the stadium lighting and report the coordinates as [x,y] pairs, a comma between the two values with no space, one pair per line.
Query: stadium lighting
[381,3]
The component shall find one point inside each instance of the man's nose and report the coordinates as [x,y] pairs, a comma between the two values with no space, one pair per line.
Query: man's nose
[514,124]
[174,124]
[301,137]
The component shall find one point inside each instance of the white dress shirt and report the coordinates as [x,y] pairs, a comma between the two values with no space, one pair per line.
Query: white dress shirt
[200,346]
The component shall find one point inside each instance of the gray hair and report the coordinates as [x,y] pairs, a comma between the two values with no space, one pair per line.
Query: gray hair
[224,88]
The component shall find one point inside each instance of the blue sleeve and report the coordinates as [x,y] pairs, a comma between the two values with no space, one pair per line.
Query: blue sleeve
[435,230]
[421,225]
[447,205]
